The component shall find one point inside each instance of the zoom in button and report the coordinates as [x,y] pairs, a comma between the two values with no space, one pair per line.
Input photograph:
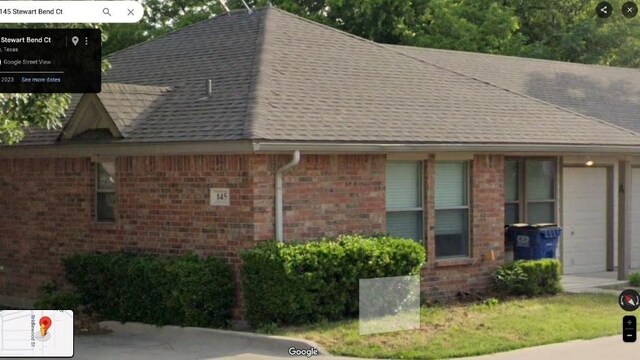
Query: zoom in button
[629,329]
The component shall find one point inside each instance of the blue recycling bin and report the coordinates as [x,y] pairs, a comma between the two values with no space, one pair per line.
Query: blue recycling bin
[533,242]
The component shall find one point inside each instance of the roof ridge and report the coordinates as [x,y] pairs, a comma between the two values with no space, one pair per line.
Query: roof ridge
[513,91]
[256,63]
[390,48]
[522,58]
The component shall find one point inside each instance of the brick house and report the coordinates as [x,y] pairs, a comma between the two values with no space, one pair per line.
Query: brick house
[185,146]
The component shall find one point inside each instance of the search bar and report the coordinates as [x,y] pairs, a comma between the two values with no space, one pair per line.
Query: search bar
[70,12]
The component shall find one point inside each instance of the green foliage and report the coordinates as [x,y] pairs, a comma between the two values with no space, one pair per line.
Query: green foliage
[491,302]
[299,283]
[52,298]
[185,291]
[268,328]
[634,279]
[528,278]
[20,111]
[477,26]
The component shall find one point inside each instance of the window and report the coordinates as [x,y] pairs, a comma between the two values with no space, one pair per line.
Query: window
[530,191]
[105,191]
[512,192]
[452,209]
[404,199]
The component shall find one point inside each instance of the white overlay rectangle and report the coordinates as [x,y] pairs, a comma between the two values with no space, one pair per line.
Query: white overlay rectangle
[389,304]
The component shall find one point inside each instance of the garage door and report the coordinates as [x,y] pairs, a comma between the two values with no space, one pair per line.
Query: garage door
[635,219]
[584,220]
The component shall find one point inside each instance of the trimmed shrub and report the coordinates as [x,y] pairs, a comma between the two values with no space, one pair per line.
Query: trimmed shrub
[528,278]
[315,281]
[185,291]
[634,279]
[53,298]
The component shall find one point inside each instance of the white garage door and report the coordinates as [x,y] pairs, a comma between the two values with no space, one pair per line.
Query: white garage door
[584,220]
[635,219]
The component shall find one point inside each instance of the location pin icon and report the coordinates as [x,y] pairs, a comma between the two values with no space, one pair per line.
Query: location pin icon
[45,323]
[74,40]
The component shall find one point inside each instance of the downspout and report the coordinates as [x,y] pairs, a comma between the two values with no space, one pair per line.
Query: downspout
[279,213]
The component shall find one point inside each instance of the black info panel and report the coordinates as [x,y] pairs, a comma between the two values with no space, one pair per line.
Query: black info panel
[50,61]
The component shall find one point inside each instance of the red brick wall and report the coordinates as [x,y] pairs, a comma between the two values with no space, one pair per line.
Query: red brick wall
[445,278]
[44,207]
[326,195]
[163,207]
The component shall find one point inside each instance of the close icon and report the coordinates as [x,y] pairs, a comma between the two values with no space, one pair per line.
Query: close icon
[629,9]
[604,9]
[629,300]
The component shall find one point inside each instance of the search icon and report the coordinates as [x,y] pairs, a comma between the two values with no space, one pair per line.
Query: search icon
[106,11]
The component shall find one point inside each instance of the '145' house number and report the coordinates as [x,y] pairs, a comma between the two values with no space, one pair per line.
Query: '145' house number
[219,197]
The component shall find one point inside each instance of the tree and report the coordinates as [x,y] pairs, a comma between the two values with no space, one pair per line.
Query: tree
[21,111]
[478,26]
[161,17]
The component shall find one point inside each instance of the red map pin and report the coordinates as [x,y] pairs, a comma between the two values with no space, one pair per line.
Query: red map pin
[45,323]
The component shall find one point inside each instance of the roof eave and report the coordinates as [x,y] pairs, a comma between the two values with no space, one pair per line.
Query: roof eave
[273,147]
[343,147]
[127,149]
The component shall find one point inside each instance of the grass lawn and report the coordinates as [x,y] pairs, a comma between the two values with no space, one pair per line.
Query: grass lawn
[467,330]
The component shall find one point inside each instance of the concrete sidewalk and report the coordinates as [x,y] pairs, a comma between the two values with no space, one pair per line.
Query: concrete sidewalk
[147,342]
[611,347]
[591,282]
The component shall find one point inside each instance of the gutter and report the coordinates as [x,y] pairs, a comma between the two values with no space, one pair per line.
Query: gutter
[278,147]
[279,185]
[267,147]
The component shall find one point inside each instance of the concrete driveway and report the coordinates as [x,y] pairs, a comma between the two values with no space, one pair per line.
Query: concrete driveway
[134,341]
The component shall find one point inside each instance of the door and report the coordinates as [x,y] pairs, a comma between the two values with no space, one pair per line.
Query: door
[584,217]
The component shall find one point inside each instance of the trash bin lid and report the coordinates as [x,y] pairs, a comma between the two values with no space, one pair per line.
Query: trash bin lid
[517,225]
[542,225]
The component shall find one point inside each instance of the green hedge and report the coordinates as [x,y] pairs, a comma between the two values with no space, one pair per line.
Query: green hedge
[185,291]
[528,278]
[301,283]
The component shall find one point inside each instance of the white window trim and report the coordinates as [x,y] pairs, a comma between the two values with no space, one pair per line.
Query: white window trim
[522,202]
[421,190]
[465,207]
[99,191]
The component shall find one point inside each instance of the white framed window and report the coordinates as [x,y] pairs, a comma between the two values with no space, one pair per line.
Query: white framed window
[512,193]
[105,191]
[452,209]
[404,199]
[530,190]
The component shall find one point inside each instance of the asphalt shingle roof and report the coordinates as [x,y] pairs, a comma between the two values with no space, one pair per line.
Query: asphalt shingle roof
[276,76]
[127,104]
[607,93]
